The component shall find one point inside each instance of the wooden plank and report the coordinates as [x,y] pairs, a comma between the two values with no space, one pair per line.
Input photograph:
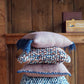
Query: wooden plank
[21,16]
[10,64]
[3,18]
[80,64]
[14,78]
[9,16]
[70,66]
[42,15]
[75,37]
[79,6]
[76,62]
[3,49]
[60,6]
[18,76]
[13,65]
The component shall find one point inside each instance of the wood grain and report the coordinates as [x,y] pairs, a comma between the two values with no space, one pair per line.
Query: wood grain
[21,16]
[71,67]
[18,76]
[79,6]
[58,8]
[37,15]
[9,16]
[76,62]
[3,49]
[42,15]
[10,65]
[80,64]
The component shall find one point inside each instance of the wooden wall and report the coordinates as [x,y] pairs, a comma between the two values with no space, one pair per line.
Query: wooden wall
[3,49]
[79,64]
[36,15]
[39,15]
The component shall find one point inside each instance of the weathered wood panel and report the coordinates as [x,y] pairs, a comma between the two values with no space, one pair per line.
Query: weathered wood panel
[21,16]
[37,15]
[11,66]
[60,6]
[79,6]
[42,15]
[80,63]
[9,16]
[70,66]
[18,76]
[3,50]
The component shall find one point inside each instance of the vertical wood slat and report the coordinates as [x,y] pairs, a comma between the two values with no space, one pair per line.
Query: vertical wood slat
[42,15]
[9,16]
[73,78]
[80,64]
[11,64]
[10,67]
[76,61]
[79,6]
[21,16]
[70,66]
[58,8]
[3,50]
[18,76]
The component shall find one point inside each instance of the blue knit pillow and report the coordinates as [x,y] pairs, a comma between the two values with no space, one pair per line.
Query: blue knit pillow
[43,80]
[44,55]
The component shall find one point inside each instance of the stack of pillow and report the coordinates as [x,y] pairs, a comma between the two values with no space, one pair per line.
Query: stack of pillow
[43,58]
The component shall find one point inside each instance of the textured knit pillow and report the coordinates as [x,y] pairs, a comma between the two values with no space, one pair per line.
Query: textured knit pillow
[45,70]
[49,39]
[43,80]
[44,55]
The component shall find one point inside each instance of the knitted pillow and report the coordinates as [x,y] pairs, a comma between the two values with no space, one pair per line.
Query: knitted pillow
[49,39]
[45,55]
[43,80]
[45,70]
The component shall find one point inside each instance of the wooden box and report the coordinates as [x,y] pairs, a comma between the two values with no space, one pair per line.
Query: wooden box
[74,25]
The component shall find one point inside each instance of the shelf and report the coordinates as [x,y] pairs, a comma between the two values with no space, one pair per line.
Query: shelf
[75,37]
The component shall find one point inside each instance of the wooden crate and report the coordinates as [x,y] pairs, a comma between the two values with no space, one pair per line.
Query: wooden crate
[74,25]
